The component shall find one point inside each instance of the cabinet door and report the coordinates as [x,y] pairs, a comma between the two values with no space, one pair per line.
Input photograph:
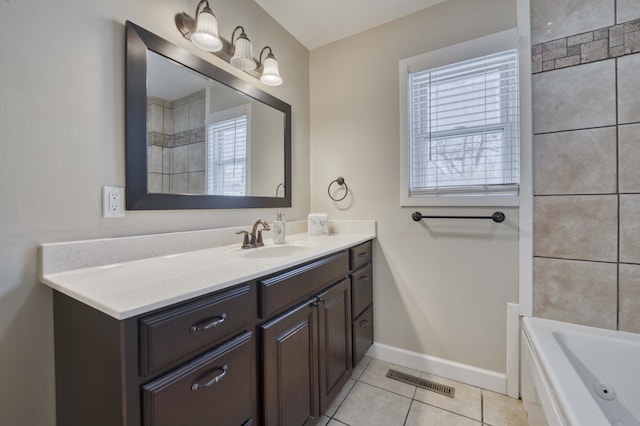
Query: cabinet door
[290,367]
[213,389]
[335,341]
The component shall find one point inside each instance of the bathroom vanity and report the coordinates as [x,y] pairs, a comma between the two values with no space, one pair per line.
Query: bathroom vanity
[217,336]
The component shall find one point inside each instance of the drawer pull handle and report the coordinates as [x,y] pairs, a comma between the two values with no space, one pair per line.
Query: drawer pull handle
[213,381]
[364,323]
[363,278]
[365,254]
[207,324]
[318,301]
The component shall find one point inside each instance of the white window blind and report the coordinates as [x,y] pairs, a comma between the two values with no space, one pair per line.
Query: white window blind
[227,156]
[463,128]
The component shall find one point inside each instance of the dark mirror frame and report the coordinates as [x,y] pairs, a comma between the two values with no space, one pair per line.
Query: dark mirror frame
[138,42]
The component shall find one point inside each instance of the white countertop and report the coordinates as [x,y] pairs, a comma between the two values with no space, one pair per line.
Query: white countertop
[128,288]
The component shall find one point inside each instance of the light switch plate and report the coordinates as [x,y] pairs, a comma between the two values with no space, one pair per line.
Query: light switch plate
[112,201]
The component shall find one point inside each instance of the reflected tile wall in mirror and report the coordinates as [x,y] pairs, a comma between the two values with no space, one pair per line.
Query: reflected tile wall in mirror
[176,139]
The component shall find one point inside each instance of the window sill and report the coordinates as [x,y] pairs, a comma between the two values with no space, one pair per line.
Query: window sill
[461,201]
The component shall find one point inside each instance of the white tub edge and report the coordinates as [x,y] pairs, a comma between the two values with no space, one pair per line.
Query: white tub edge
[564,386]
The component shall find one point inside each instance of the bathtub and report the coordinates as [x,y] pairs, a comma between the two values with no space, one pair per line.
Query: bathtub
[583,376]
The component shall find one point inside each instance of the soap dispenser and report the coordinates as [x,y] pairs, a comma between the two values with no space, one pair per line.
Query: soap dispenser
[278,229]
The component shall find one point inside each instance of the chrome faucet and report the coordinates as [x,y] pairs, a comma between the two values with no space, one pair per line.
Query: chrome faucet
[252,240]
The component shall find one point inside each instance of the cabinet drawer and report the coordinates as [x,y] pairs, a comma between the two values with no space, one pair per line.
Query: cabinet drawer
[360,255]
[172,335]
[285,290]
[362,333]
[361,289]
[214,389]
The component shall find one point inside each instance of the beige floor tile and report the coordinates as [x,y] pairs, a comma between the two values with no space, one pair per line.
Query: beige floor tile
[341,396]
[359,369]
[334,422]
[501,410]
[367,405]
[322,421]
[467,400]
[427,415]
[375,375]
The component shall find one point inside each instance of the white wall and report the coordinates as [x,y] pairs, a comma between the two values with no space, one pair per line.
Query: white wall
[62,139]
[441,287]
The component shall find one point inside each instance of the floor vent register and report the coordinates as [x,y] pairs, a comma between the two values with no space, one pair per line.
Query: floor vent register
[422,383]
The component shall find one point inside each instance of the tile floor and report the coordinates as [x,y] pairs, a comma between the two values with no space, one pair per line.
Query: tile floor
[371,399]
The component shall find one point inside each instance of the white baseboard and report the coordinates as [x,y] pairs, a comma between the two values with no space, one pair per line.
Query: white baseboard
[474,376]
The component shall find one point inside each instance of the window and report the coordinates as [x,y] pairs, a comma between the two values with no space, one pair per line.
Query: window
[462,131]
[227,148]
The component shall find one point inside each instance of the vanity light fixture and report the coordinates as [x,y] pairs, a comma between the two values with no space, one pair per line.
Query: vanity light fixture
[205,36]
[270,74]
[203,33]
[242,51]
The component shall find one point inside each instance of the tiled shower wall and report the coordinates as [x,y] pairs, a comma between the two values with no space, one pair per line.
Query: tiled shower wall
[176,145]
[586,161]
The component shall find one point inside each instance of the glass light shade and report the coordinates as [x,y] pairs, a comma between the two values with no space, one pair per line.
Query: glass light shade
[243,55]
[206,34]
[270,74]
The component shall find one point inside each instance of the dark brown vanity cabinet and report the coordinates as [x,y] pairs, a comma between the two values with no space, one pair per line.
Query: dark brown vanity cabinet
[335,341]
[274,351]
[290,366]
[213,389]
[217,387]
[307,357]
[362,300]
[193,363]
[172,335]
[306,350]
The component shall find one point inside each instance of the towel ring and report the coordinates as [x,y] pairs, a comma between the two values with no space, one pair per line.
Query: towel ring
[340,181]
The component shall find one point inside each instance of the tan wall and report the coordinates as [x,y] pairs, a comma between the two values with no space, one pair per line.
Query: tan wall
[62,139]
[441,287]
[586,124]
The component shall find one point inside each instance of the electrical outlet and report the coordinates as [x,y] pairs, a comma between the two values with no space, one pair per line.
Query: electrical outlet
[112,201]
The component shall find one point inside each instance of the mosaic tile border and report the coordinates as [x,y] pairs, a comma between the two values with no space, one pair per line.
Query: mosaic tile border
[598,45]
[188,137]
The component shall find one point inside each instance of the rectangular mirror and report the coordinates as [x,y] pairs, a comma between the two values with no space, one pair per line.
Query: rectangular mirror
[198,137]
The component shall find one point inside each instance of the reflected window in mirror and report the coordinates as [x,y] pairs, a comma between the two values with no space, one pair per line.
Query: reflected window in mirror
[228,139]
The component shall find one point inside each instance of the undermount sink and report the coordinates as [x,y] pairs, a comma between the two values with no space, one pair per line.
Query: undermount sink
[270,251]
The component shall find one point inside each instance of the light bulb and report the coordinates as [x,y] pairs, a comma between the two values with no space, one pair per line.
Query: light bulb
[243,55]
[206,34]
[270,74]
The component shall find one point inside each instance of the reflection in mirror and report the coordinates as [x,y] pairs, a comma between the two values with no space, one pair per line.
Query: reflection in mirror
[199,137]
[206,138]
